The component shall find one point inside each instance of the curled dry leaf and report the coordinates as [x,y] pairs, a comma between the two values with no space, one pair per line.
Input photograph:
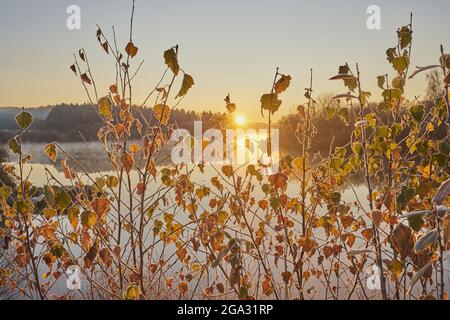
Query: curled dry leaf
[345,96]
[231,107]
[15,145]
[99,33]
[426,241]
[421,69]
[442,210]
[163,91]
[270,102]
[105,47]
[187,84]
[415,214]
[73,68]
[381,81]
[81,54]
[343,77]
[282,84]
[362,123]
[358,252]
[442,193]
[171,60]
[85,78]
[419,275]
[427,214]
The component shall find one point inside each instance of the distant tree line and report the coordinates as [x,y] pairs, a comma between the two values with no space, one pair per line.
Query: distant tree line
[76,123]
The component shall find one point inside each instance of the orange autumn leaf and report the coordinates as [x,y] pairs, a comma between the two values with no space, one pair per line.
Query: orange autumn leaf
[367,234]
[100,206]
[128,162]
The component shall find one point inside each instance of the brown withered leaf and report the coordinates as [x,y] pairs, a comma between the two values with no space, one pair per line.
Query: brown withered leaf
[287,276]
[377,218]
[105,47]
[73,68]
[282,84]
[85,78]
[131,50]
[346,220]
[391,201]
[81,54]
[446,230]
[113,88]
[403,240]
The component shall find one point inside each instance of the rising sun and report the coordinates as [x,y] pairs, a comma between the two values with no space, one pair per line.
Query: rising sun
[240,120]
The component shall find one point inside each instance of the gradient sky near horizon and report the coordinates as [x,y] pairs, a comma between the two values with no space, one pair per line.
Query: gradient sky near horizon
[228,46]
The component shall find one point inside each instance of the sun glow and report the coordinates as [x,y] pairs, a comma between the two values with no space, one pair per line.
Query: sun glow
[240,120]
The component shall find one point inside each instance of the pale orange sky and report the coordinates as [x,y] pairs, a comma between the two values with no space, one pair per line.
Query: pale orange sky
[227,46]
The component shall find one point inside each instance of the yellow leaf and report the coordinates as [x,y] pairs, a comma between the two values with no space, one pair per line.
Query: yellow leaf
[72,214]
[49,213]
[162,113]
[134,148]
[196,267]
[112,182]
[223,215]
[50,151]
[88,219]
[133,293]
[297,164]
[396,267]
[105,107]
